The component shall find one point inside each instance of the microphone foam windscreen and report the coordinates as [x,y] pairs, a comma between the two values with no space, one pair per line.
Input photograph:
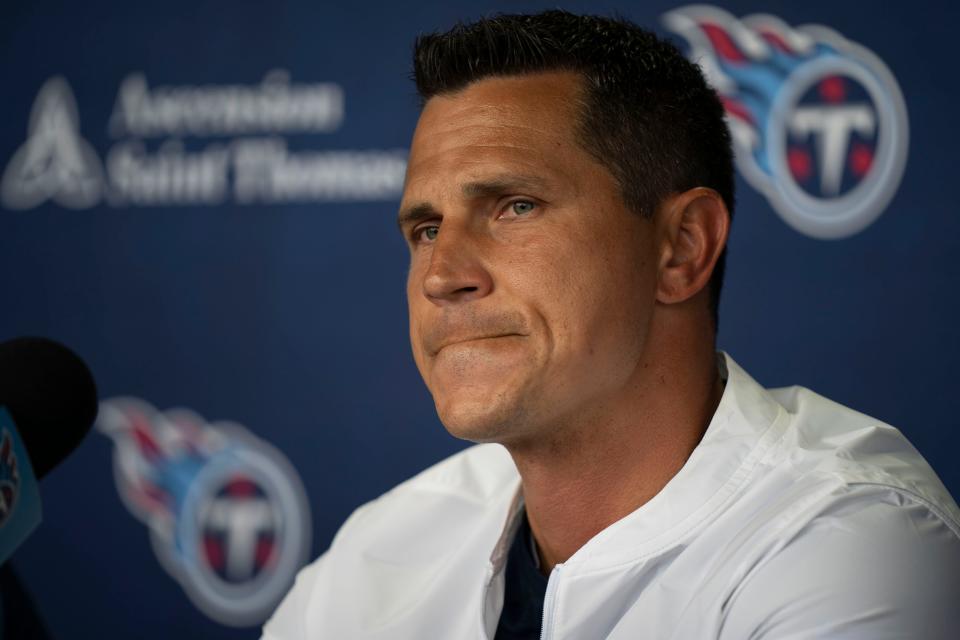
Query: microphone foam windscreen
[51,395]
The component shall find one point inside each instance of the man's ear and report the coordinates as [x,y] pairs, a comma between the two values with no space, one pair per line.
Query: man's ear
[693,228]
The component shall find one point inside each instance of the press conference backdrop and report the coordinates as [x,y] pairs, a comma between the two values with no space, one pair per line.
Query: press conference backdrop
[199,198]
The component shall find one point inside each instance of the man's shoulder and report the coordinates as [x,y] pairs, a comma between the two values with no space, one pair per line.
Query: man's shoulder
[469,484]
[850,510]
[810,454]
[865,566]
[397,553]
[831,450]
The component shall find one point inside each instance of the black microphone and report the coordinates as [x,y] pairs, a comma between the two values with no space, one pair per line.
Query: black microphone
[51,396]
[52,399]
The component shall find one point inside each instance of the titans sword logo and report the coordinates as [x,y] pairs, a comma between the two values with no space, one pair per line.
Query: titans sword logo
[227,514]
[818,122]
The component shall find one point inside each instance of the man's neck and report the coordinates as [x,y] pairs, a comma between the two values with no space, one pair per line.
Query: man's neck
[614,461]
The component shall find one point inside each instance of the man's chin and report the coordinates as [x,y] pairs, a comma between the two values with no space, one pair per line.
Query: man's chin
[479,420]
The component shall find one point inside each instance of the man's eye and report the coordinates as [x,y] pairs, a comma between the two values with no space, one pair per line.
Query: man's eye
[426,234]
[522,207]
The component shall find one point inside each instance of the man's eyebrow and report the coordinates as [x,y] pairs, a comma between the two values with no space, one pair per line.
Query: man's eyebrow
[503,184]
[415,213]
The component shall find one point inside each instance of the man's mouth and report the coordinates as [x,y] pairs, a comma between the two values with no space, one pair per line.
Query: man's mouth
[462,340]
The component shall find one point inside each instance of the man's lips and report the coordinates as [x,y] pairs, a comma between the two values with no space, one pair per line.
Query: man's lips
[461,340]
[469,325]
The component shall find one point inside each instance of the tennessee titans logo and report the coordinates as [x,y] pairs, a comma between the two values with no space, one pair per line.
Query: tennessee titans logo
[9,478]
[227,514]
[818,122]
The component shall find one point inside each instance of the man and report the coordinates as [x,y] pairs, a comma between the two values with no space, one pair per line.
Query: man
[567,204]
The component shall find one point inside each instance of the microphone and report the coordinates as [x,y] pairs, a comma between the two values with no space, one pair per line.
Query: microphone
[51,396]
[48,402]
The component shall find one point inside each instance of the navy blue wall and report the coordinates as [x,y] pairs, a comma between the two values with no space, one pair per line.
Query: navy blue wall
[287,315]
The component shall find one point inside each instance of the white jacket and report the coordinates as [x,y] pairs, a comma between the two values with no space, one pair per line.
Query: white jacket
[794,517]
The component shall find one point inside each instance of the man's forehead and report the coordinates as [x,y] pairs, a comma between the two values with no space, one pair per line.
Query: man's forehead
[516,124]
[530,100]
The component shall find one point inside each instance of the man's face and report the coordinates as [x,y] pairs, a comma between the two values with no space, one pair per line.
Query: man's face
[531,284]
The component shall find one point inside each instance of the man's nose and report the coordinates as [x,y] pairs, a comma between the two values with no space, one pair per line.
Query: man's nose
[456,273]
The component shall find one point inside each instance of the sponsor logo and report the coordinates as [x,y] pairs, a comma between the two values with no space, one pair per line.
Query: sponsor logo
[818,122]
[55,162]
[227,514]
[196,145]
[9,478]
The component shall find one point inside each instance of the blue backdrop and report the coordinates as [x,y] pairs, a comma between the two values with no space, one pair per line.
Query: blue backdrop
[217,232]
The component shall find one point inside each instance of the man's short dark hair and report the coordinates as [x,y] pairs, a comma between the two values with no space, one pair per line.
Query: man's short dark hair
[649,115]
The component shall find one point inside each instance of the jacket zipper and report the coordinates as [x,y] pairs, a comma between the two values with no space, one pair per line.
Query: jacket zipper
[549,603]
